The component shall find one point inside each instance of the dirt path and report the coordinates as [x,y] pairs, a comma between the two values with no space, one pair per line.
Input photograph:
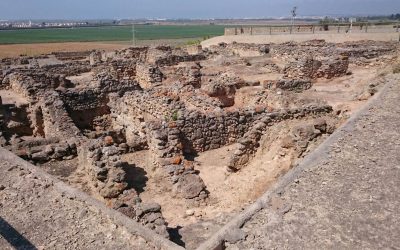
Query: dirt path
[346,199]
[38,212]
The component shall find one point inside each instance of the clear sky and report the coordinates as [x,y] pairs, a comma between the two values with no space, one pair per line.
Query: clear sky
[116,9]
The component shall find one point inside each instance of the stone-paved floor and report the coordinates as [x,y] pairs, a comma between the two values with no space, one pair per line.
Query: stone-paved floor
[349,199]
[35,215]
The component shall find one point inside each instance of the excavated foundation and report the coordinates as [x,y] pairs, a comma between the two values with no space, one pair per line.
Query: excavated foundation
[181,141]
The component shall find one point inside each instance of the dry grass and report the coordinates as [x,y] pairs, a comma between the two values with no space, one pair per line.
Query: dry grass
[15,50]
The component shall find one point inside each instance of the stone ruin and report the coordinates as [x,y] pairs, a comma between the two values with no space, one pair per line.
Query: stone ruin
[174,103]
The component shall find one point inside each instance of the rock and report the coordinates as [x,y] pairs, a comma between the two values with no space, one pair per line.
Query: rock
[128,211]
[49,149]
[100,173]
[162,230]
[235,235]
[60,151]
[190,185]
[109,151]
[116,175]
[40,157]
[113,190]
[287,142]
[364,96]
[108,140]
[150,207]
[303,132]
[151,217]
[129,197]
[176,160]
[189,212]
[320,124]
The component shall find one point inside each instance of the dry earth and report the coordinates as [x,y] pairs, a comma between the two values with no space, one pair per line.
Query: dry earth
[347,198]
[15,50]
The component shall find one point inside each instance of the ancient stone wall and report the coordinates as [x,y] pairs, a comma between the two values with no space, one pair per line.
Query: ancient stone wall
[166,147]
[66,56]
[311,68]
[44,150]
[2,124]
[67,68]
[250,142]
[194,49]
[34,86]
[166,56]
[95,58]
[16,120]
[131,112]
[57,122]
[148,75]
[200,132]
[101,160]
[241,49]
[248,50]
[296,85]
[95,96]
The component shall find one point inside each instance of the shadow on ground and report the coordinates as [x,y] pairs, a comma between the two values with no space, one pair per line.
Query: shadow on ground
[13,237]
[136,177]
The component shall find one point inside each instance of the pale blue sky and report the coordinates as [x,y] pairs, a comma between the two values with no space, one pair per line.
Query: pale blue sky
[114,9]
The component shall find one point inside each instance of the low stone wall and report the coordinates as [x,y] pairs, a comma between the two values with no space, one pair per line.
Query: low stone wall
[56,120]
[296,85]
[194,49]
[85,99]
[45,150]
[100,159]
[34,86]
[67,68]
[166,56]
[166,148]
[148,75]
[95,58]
[311,68]
[193,132]
[104,166]
[241,49]
[16,120]
[66,56]
[250,142]
[2,124]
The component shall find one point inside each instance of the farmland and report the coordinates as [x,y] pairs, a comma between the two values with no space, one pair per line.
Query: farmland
[109,33]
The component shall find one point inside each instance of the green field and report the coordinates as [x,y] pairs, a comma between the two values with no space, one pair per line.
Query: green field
[109,33]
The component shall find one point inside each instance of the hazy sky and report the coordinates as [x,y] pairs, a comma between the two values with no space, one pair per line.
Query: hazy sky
[92,9]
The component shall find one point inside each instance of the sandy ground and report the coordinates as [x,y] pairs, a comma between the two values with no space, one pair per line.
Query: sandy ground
[11,97]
